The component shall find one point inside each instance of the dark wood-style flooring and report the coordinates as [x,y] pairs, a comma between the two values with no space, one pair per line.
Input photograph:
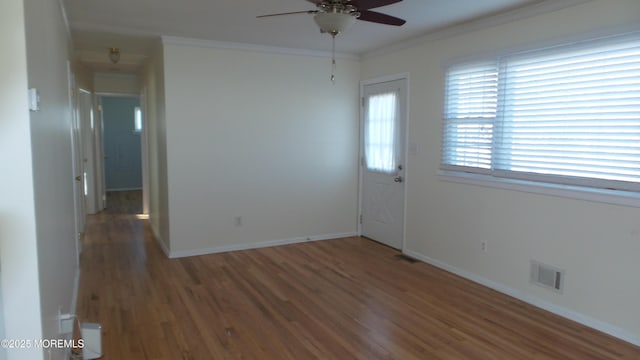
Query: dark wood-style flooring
[338,299]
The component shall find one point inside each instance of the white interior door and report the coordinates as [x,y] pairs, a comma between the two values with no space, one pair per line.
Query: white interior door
[77,156]
[85,111]
[98,149]
[383,161]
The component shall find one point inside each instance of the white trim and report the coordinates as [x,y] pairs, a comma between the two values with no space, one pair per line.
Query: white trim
[65,20]
[163,246]
[383,79]
[158,239]
[213,44]
[118,95]
[74,294]
[538,8]
[144,143]
[248,246]
[124,189]
[92,27]
[537,302]
[616,197]
[117,76]
[73,307]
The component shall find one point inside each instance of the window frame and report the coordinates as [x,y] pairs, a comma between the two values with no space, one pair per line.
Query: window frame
[495,178]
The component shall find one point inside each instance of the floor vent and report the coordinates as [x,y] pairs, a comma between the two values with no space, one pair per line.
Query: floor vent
[547,276]
[406,258]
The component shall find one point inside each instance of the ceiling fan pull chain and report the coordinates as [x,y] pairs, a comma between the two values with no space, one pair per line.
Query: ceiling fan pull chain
[333,59]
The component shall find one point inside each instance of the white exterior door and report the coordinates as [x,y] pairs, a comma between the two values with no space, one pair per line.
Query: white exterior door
[383,161]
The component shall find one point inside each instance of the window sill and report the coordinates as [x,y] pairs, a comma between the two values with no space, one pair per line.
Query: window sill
[616,197]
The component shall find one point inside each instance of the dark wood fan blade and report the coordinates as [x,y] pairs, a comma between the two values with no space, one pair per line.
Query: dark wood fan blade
[363,5]
[380,18]
[290,13]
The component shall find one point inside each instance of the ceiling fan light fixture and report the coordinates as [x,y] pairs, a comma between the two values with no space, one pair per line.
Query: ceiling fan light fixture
[334,22]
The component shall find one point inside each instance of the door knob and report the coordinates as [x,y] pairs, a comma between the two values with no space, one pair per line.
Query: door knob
[398,179]
[78,178]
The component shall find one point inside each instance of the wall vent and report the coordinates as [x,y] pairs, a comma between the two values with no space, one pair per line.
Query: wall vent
[547,276]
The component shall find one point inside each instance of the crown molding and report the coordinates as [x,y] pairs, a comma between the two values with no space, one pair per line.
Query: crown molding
[174,40]
[177,40]
[527,11]
[80,26]
[96,56]
[116,75]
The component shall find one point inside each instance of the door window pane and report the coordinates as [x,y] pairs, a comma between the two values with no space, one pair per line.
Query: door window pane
[380,132]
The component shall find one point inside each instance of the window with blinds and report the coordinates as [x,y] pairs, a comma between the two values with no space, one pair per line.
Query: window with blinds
[472,101]
[568,114]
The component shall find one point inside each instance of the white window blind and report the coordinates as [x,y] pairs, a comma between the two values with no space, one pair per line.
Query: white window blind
[380,132]
[568,114]
[472,98]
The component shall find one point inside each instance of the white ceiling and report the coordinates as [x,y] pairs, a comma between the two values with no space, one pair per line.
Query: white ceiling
[132,25]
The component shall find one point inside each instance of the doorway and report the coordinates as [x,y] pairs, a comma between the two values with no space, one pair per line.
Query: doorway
[383,166]
[122,128]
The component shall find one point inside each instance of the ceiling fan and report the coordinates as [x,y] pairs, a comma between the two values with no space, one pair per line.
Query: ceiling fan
[335,16]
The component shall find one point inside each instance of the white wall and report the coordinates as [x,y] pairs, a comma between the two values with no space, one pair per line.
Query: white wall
[116,83]
[264,136]
[153,85]
[18,245]
[3,352]
[597,244]
[47,54]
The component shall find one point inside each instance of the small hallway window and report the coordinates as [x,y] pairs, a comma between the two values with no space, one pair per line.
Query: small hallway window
[137,126]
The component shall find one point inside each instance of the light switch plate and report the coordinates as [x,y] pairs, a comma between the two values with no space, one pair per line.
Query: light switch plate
[34,100]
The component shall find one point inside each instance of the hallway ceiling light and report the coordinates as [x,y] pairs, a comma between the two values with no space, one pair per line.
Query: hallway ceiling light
[114,55]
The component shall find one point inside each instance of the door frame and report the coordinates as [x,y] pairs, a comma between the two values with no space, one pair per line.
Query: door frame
[144,154]
[80,214]
[405,150]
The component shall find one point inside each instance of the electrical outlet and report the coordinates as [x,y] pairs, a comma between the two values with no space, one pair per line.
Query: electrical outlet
[483,246]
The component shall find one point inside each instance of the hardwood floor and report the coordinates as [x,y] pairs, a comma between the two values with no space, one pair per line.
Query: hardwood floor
[124,202]
[338,299]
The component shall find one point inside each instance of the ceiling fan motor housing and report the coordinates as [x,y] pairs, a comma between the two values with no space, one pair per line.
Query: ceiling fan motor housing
[335,16]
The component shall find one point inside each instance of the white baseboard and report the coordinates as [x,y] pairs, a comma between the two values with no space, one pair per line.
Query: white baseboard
[612,330]
[76,289]
[248,246]
[124,189]
[73,307]
[163,246]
